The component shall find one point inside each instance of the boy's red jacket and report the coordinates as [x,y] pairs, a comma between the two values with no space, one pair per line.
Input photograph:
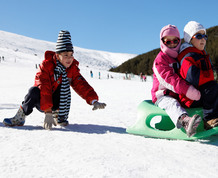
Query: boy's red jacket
[44,80]
[196,68]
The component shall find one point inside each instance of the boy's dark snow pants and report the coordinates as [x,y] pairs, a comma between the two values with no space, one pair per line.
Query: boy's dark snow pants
[32,100]
[209,100]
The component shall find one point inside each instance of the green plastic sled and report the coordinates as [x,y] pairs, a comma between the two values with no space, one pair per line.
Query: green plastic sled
[165,128]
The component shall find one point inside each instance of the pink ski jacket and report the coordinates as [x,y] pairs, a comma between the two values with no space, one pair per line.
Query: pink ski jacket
[166,81]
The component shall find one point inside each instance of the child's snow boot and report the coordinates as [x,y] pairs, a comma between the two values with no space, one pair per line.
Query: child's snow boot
[17,120]
[62,122]
[211,124]
[59,121]
[190,124]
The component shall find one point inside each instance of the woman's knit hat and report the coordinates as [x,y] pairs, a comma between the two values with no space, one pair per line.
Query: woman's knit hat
[64,42]
[192,28]
[169,30]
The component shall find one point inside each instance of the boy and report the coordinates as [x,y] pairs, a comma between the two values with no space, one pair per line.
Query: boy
[51,91]
[196,68]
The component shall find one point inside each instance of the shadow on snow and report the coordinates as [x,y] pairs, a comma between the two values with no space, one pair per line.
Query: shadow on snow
[81,128]
[9,106]
[100,129]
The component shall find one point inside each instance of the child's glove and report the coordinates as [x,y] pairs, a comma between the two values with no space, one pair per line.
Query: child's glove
[193,94]
[98,105]
[49,120]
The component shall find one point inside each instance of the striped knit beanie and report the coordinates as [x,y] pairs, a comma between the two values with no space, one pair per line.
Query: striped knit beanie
[64,42]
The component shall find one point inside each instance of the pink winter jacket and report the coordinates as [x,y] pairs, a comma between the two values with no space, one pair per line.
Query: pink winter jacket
[166,81]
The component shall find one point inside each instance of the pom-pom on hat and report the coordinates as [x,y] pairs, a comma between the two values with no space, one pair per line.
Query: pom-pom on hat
[64,42]
[169,30]
[192,28]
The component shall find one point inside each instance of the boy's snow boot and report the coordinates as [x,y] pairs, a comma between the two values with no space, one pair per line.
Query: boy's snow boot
[17,120]
[190,124]
[61,122]
[210,124]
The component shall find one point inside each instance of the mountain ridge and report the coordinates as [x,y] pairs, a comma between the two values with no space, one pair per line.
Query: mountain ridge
[20,48]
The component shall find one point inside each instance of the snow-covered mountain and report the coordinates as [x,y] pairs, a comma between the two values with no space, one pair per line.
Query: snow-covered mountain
[28,50]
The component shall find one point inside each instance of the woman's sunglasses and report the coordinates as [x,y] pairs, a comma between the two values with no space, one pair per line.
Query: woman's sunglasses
[200,36]
[168,42]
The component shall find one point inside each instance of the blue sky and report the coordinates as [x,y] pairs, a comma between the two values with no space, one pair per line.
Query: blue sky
[125,26]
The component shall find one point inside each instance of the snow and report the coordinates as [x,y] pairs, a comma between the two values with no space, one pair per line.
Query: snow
[95,143]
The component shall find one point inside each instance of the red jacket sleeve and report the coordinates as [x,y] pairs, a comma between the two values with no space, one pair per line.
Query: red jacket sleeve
[82,87]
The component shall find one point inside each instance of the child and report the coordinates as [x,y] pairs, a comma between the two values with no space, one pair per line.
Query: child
[167,84]
[51,91]
[196,68]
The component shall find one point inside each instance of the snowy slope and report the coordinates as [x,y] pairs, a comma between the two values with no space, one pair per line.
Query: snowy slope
[95,143]
[27,50]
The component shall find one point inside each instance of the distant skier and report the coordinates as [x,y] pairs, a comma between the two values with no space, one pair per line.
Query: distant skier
[91,74]
[51,92]
[145,78]
[141,76]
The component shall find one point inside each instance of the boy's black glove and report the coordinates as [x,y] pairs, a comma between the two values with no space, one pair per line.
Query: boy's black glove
[98,105]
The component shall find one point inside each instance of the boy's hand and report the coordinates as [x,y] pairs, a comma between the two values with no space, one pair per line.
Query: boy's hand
[98,105]
[49,121]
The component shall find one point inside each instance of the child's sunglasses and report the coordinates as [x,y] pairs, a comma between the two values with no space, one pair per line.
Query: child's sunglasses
[200,36]
[168,42]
